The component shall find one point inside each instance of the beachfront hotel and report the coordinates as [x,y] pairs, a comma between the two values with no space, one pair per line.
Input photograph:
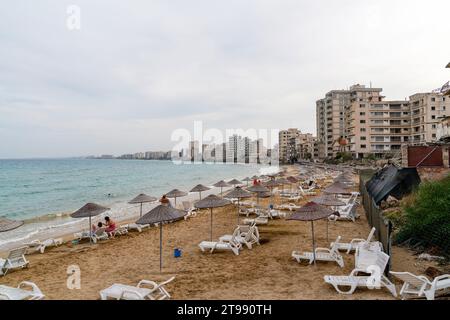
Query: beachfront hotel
[360,121]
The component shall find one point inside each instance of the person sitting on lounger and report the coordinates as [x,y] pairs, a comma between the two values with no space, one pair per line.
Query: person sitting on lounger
[97,229]
[165,201]
[110,225]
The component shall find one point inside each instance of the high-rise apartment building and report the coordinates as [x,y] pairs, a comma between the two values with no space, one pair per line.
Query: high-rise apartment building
[360,121]
[295,145]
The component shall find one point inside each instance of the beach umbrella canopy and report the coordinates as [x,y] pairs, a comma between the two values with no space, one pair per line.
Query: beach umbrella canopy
[337,188]
[210,202]
[221,184]
[329,201]
[258,189]
[311,211]
[7,224]
[89,210]
[175,193]
[200,188]
[234,182]
[254,177]
[160,214]
[239,194]
[142,198]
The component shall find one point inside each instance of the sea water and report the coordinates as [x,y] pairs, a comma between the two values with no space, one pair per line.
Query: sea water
[43,191]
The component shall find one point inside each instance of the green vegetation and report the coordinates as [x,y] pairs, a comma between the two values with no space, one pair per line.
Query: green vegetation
[344,156]
[426,217]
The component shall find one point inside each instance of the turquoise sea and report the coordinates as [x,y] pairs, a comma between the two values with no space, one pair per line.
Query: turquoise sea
[44,188]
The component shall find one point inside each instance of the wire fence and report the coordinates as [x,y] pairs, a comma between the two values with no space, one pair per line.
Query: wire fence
[375,217]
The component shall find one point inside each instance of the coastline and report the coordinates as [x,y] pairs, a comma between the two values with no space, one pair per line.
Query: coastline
[61,225]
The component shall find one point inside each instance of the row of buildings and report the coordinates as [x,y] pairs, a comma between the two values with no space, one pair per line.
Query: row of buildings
[360,121]
[237,149]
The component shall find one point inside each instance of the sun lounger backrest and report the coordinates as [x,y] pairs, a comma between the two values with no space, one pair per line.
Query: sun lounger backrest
[382,261]
[371,234]
[100,232]
[17,254]
[335,247]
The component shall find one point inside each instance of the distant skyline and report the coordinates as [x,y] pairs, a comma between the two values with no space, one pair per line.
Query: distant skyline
[137,71]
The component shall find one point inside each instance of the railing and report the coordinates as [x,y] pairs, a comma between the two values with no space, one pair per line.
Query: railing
[375,217]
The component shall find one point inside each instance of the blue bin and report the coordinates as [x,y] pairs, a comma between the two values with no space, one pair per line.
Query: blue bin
[177,253]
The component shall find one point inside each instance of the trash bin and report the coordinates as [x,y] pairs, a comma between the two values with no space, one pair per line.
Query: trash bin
[177,253]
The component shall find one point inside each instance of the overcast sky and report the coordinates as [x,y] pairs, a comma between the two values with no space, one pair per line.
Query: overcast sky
[137,70]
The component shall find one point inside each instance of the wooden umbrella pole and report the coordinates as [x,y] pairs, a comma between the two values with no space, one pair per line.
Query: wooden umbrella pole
[210,230]
[89,230]
[141,210]
[314,241]
[160,247]
[238,212]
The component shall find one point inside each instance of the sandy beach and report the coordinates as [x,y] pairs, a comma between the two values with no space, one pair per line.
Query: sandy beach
[265,272]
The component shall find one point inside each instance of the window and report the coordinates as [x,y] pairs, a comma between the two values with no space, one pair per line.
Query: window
[433,135]
[433,108]
[362,105]
[363,138]
[433,99]
[433,117]
[362,121]
[362,130]
[433,126]
[362,113]
[363,146]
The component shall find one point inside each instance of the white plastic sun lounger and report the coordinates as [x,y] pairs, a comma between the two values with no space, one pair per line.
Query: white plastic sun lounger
[40,246]
[16,259]
[322,254]
[308,192]
[120,231]
[145,290]
[22,292]
[190,209]
[97,236]
[376,280]
[261,220]
[137,227]
[232,245]
[248,235]
[354,243]
[420,285]
[348,213]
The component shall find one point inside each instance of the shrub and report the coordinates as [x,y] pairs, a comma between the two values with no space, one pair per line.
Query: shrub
[427,216]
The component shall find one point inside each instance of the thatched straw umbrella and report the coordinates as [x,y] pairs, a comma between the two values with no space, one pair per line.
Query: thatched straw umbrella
[221,184]
[234,182]
[200,188]
[142,198]
[175,193]
[329,201]
[211,201]
[89,210]
[7,224]
[311,212]
[337,188]
[258,189]
[239,194]
[160,214]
